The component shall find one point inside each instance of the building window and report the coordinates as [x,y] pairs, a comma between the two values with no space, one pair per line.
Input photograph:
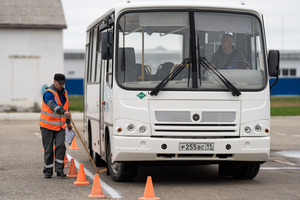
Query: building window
[285,72]
[293,72]
[288,72]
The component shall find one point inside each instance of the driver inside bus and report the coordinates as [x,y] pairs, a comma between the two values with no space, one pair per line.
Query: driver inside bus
[227,57]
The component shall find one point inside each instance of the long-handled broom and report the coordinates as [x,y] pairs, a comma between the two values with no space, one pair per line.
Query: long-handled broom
[97,171]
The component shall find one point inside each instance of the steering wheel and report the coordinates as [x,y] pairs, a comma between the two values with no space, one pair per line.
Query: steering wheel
[238,65]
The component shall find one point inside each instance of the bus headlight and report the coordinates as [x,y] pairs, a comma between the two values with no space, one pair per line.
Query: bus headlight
[142,129]
[130,127]
[257,128]
[247,129]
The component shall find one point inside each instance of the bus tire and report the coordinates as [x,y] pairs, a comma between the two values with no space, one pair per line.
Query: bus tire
[245,170]
[120,171]
[225,169]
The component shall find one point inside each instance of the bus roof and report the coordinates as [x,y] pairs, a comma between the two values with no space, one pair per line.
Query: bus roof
[202,5]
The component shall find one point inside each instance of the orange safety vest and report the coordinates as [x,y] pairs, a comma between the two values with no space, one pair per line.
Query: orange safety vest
[51,120]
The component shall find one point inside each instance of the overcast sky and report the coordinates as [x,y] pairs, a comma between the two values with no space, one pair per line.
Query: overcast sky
[282,20]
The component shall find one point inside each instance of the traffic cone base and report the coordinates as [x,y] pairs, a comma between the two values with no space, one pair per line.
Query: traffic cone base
[97,196]
[81,183]
[81,178]
[72,170]
[149,191]
[97,192]
[73,145]
[72,176]
[146,198]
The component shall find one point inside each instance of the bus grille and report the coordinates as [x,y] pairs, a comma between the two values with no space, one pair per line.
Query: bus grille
[196,130]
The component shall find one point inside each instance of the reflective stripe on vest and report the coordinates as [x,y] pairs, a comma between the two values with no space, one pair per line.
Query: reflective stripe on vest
[51,114]
[52,123]
[51,120]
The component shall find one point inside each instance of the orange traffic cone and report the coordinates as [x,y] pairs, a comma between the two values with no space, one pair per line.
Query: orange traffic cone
[72,170]
[43,149]
[66,166]
[66,159]
[81,178]
[149,191]
[97,190]
[74,145]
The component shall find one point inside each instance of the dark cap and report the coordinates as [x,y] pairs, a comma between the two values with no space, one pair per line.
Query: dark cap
[60,78]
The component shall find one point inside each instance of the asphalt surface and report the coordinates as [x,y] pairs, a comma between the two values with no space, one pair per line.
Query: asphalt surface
[21,165]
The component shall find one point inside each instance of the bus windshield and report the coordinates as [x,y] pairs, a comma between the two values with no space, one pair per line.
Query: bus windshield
[152,45]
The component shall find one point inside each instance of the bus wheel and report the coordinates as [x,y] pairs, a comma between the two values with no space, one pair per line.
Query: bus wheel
[120,171]
[245,170]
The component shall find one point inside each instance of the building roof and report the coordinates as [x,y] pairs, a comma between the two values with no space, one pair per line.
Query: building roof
[32,14]
[74,53]
[290,54]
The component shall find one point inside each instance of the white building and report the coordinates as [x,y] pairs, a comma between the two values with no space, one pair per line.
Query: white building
[290,63]
[31,51]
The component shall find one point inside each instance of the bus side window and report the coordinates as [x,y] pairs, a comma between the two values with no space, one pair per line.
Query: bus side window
[89,57]
[109,68]
[99,60]
[87,71]
[94,53]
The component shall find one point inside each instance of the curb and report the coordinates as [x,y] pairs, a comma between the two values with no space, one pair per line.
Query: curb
[31,116]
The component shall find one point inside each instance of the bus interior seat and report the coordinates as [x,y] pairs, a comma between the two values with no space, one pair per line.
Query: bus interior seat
[130,74]
[147,72]
[163,71]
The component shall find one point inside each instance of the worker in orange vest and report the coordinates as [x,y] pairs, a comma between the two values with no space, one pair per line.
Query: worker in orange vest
[54,119]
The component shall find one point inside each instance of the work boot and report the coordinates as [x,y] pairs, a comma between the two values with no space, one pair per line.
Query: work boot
[61,175]
[48,175]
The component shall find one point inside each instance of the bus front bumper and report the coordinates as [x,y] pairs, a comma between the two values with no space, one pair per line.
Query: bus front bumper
[170,149]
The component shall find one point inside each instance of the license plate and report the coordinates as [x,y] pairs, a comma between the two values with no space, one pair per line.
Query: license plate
[196,147]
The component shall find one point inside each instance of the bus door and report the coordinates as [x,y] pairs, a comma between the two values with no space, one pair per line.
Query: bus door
[105,93]
[93,95]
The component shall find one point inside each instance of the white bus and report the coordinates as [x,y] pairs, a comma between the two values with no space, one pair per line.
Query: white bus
[152,94]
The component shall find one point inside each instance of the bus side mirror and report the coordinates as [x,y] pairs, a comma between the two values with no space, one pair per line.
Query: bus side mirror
[107,46]
[273,63]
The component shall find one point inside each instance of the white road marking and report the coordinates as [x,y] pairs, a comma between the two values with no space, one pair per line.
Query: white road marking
[281,133]
[296,135]
[289,154]
[113,193]
[288,163]
[280,168]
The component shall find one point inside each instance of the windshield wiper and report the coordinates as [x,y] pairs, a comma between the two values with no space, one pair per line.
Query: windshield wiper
[170,76]
[208,66]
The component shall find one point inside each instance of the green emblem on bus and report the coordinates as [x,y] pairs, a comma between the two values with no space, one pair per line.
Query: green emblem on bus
[141,95]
